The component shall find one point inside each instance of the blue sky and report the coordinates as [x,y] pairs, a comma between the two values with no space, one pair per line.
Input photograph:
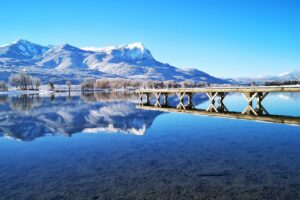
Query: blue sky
[225,38]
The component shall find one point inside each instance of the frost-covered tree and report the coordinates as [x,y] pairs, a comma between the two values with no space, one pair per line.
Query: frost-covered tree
[21,80]
[51,86]
[3,86]
[68,84]
[88,84]
[36,83]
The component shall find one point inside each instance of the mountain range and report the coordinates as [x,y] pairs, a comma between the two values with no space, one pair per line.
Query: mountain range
[287,76]
[59,63]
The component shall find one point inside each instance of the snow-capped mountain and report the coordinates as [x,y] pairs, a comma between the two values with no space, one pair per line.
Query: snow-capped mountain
[62,57]
[294,75]
[134,51]
[22,49]
[65,62]
[287,76]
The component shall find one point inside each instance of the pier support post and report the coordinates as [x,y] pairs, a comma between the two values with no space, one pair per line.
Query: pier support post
[261,96]
[249,97]
[212,96]
[260,110]
[165,102]
[157,95]
[249,110]
[147,98]
[141,97]
[212,108]
[190,96]
[190,103]
[222,96]
[222,107]
[181,100]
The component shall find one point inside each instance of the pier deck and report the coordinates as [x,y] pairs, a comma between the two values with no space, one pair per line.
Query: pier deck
[249,93]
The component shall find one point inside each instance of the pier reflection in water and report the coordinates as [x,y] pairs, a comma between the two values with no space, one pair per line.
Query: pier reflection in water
[218,109]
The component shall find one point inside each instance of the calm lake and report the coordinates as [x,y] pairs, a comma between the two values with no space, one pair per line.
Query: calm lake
[101,146]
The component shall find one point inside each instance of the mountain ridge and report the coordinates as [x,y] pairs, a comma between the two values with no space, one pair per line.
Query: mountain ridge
[287,76]
[66,62]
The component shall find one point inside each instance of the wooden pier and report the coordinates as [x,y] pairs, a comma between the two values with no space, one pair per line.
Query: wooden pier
[250,93]
[185,95]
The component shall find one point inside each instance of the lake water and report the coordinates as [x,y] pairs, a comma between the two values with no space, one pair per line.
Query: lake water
[100,146]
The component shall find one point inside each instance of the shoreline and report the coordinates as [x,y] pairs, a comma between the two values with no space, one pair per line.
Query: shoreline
[76,89]
[63,91]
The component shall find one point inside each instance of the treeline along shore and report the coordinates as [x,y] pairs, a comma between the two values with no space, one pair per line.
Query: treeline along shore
[25,82]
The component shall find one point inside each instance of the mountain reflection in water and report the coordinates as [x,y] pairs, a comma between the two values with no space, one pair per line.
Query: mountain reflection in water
[29,116]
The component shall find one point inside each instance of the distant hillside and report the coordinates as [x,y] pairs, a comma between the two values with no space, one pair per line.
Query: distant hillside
[284,77]
[65,62]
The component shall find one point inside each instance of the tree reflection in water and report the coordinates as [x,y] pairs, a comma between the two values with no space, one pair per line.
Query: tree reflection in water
[3,99]
[24,102]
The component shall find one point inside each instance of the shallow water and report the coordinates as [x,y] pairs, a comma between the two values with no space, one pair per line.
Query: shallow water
[100,146]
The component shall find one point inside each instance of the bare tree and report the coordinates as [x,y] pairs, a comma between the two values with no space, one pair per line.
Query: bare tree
[36,83]
[68,84]
[170,84]
[88,84]
[200,84]
[103,83]
[119,83]
[137,84]
[3,86]
[51,86]
[151,84]
[21,80]
[187,84]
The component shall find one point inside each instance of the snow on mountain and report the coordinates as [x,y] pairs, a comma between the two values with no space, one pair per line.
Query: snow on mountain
[133,61]
[294,75]
[286,76]
[22,49]
[131,51]
[62,57]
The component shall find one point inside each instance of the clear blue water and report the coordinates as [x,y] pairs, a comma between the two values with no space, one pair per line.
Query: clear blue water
[100,146]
